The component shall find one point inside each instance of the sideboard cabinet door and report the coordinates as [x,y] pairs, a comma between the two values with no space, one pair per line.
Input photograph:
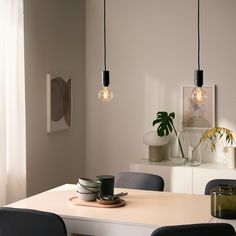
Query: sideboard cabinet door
[206,172]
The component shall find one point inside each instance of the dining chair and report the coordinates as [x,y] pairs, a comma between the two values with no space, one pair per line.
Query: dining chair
[204,229]
[138,180]
[27,222]
[215,182]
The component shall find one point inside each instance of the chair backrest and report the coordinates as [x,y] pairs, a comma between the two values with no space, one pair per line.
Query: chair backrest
[27,222]
[137,180]
[216,229]
[214,182]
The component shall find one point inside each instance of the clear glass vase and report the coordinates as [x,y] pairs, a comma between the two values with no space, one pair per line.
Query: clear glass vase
[193,157]
[175,151]
[192,152]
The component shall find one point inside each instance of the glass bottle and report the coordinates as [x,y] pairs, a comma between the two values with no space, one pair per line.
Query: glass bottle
[192,152]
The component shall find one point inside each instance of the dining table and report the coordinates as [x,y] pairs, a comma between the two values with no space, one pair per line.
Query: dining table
[140,214]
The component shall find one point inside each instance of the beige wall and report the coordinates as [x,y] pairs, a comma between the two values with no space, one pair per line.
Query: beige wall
[54,43]
[151,53]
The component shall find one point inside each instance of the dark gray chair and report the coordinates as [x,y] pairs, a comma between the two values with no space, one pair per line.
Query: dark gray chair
[215,182]
[26,222]
[138,180]
[205,229]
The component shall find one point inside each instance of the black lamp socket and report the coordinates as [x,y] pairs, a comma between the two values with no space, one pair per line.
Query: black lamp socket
[198,78]
[105,78]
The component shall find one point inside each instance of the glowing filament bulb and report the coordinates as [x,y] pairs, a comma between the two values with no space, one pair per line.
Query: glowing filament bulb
[199,95]
[105,94]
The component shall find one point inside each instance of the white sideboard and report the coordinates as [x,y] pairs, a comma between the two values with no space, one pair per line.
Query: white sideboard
[182,178]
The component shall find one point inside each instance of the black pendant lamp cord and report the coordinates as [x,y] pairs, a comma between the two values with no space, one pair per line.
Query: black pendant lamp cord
[105,73]
[198,33]
[198,78]
[105,46]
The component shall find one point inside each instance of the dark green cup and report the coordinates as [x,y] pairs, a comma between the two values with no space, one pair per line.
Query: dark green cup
[107,185]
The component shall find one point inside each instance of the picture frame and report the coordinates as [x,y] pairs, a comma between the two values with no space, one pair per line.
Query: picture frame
[198,115]
[58,102]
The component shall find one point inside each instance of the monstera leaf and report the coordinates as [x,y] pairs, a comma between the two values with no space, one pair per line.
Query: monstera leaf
[166,126]
[165,122]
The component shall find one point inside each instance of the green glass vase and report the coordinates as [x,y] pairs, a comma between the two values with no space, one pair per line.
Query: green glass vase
[223,201]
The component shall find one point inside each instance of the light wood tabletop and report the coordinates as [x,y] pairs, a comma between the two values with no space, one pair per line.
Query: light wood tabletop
[144,211]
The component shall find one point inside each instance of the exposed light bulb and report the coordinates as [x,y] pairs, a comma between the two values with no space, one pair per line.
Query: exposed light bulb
[199,96]
[105,94]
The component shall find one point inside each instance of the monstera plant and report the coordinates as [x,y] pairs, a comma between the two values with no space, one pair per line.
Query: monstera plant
[166,126]
[210,136]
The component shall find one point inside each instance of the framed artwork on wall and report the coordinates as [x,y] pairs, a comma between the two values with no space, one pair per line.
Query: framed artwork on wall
[198,115]
[58,102]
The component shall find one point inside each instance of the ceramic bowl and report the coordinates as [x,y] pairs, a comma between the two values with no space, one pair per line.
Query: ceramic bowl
[88,189]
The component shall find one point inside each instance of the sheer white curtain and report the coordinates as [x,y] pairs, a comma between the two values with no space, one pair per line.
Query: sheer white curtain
[12,102]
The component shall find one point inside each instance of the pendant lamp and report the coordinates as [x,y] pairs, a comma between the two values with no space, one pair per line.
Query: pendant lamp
[198,94]
[105,94]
